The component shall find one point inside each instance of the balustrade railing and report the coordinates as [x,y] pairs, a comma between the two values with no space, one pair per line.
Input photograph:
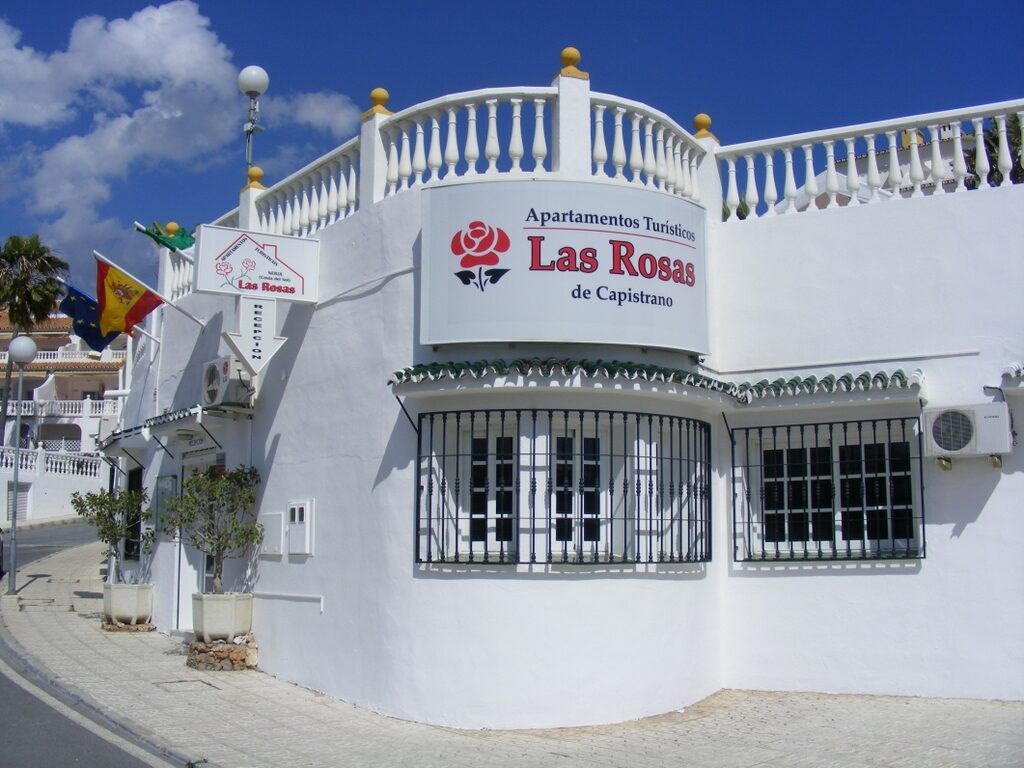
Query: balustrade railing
[662,155]
[74,355]
[64,408]
[323,192]
[440,139]
[938,153]
[35,462]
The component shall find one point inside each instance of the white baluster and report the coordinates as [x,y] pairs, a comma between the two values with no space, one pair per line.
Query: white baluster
[471,153]
[619,145]
[491,146]
[540,145]
[1003,161]
[916,170]
[750,197]
[515,142]
[451,147]
[304,214]
[419,155]
[392,174]
[650,164]
[286,222]
[342,191]
[959,163]
[325,172]
[405,158]
[636,157]
[261,213]
[332,193]
[684,173]
[434,155]
[852,175]
[660,171]
[314,205]
[771,194]
[810,180]
[353,187]
[274,216]
[789,186]
[831,178]
[600,150]
[671,161]
[732,197]
[895,172]
[938,170]
[874,178]
[981,164]
[694,178]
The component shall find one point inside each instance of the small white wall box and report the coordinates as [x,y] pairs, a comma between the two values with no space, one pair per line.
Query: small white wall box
[967,430]
[273,534]
[300,527]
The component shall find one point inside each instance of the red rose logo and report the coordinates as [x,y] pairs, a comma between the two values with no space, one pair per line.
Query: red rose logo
[479,245]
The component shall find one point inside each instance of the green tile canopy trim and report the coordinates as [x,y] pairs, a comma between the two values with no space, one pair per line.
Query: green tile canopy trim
[743,392]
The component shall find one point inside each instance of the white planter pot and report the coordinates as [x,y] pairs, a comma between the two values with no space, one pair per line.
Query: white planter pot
[221,617]
[128,603]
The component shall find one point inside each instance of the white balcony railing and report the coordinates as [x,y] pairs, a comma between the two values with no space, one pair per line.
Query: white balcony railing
[74,356]
[35,462]
[64,408]
[887,160]
[561,131]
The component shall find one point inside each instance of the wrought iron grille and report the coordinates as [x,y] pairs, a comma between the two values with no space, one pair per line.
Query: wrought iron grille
[834,490]
[562,486]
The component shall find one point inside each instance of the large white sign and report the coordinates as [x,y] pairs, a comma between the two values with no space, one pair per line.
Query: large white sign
[563,261]
[256,264]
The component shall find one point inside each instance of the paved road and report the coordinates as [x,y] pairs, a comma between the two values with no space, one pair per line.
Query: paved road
[38,725]
[35,543]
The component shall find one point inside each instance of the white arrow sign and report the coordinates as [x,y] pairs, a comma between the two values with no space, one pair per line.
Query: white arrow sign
[256,342]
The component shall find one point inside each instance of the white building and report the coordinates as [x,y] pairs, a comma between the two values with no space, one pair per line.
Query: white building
[630,453]
[69,402]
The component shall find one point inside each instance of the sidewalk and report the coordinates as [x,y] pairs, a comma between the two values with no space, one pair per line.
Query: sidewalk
[253,719]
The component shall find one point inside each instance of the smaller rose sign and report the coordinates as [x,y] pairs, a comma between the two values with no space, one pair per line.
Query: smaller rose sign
[479,246]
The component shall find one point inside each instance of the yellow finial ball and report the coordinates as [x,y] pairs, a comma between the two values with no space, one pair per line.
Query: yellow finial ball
[379,97]
[702,123]
[570,56]
[172,228]
[255,174]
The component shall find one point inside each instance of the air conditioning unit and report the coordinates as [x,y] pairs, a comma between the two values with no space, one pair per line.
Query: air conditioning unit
[967,430]
[221,385]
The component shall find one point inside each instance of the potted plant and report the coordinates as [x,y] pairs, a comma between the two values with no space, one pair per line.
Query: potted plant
[114,515]
[216,514]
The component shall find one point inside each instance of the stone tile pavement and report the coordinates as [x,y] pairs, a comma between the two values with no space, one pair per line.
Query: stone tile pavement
[253,719]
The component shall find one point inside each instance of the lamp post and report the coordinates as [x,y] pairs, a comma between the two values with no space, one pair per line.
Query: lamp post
[253,82]
[22,351]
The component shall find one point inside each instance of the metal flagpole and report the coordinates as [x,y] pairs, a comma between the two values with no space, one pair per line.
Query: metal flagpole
[100,257]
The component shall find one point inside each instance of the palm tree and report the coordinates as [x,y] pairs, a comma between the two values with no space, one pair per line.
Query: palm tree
[29,285]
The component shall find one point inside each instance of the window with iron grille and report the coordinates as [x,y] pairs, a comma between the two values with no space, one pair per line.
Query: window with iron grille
[562,486]
[833,490]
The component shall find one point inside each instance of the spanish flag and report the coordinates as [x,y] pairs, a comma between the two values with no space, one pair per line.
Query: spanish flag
[123,300]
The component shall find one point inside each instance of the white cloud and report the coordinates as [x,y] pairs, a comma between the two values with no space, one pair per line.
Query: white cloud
[334,113]
[128,94]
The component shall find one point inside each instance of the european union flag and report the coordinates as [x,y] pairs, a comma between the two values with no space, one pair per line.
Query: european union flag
[85,316]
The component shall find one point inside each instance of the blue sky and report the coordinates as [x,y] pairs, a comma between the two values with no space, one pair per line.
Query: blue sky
[113,111]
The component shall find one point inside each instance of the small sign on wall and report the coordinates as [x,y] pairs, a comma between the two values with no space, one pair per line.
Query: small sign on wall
[256,264]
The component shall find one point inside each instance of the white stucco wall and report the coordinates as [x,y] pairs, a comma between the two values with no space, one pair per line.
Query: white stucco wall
[931,284]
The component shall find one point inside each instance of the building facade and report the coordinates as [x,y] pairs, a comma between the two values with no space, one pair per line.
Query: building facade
[592,416]
[71,401]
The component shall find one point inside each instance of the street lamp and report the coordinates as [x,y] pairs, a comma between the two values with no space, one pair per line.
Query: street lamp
[253,82]
[22,351]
